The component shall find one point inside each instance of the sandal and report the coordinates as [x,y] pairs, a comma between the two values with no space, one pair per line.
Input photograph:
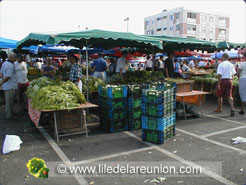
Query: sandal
[217,111]
[232,112]
[241,112]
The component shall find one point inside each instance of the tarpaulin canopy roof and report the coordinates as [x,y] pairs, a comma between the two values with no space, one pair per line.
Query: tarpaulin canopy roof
[93,38]
[231,45]
[178,43]
[36,39]
[7,43]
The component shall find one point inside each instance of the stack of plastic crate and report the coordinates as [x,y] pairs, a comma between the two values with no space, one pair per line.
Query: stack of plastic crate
[113,107]
[134,112]
[158,108]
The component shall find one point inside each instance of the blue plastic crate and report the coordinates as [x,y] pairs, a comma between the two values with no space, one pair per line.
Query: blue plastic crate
[134,124]
[153,136]
[157,110]
[134,91]
[160,124]
[113,103]
[134,103]
[112,91]
[113,126]
[113,115]
[158,97]
[152,123]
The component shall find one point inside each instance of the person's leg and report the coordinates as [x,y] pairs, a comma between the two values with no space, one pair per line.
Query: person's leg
[9,99]
[220,102]
[229,89]
[243,107]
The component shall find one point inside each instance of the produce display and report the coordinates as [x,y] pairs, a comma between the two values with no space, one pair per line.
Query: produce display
[135,77]
[33,73]
[212,78]
[47,94]
[93,83]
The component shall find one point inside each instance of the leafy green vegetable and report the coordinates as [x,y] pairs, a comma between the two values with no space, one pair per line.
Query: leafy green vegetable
[47,94]
[93,83]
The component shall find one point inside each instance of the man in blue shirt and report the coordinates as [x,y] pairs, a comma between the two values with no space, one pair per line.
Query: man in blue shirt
[100,66]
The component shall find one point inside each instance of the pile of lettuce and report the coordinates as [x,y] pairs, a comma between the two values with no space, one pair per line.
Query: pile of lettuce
[47,94]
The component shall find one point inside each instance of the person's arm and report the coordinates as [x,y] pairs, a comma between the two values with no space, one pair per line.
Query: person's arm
[9,73]
[79,74]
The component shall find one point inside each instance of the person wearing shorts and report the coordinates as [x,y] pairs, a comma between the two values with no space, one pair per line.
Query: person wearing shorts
[225,73]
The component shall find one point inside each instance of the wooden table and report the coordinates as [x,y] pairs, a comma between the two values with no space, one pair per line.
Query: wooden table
[81,108]
[192,93]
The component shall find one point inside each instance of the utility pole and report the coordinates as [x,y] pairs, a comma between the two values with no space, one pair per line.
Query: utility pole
[127,19]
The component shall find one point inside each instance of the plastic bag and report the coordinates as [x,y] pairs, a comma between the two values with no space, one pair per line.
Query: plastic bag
[11,143]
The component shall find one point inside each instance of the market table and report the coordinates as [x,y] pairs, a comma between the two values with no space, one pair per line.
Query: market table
[35,116]
[184,97]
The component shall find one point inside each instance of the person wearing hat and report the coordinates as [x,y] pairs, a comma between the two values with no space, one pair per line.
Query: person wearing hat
[75,73]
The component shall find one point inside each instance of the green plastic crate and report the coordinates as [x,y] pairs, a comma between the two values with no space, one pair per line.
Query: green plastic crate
[135,114]
[135,124]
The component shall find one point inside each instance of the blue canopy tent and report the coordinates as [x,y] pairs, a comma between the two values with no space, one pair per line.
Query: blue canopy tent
[230,53]
[7,43]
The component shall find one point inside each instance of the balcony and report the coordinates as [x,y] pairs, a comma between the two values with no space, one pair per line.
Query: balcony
[191,32]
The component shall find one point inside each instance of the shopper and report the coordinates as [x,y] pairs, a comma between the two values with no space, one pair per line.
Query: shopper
[100,66]
[9,84]
[177,70]
[169,65]
[242,83]
[225,73]
[75,72]
[148,64]
[23,83]
[48,70]
[121,64]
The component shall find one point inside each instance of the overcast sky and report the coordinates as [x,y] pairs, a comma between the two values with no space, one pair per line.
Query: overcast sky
[18,17]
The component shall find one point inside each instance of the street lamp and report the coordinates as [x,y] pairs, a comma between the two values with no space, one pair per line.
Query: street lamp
[126,19]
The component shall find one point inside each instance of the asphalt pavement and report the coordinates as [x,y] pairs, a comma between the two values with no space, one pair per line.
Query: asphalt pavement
[204,142]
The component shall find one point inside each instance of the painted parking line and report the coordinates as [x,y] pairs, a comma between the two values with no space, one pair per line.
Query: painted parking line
[61,154]
[223,131]
[112,156]
[227,120]
[182,160]
[212,141]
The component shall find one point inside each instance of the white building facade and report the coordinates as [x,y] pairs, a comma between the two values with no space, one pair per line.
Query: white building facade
[188,24]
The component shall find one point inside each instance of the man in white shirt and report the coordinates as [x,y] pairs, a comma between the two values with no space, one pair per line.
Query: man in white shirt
[148,64]
[191,64]
[121,64]
[23,83]
[225,72]
[9,84]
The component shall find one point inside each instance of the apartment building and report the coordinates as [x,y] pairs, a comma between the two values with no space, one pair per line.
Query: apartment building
[180,22]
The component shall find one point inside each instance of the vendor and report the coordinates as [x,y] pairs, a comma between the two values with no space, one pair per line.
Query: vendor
[75,71]
[169,65]
[122,64]
[48,70]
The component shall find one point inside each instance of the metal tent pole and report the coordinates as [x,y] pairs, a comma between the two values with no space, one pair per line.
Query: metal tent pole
[87,75]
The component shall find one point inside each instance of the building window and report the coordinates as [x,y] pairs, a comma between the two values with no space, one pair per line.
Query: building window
[164,17]
[191,27]
[204,29]
[204,18]
[191,37]
[191,15]
[171,17]
[222,31]
[177,27]
[211,30]
[203,38]
[165,28]
[159,29]
[147,23]
[159,18]
[211,19]
[153,21]
[171,28]
[177,15]
[222,20]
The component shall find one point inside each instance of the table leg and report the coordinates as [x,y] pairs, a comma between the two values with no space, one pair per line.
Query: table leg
[84,114]
[184,107]
[56,129]
[200,102]
[202,86]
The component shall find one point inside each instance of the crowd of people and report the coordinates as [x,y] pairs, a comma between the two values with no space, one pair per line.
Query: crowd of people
[14,70]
